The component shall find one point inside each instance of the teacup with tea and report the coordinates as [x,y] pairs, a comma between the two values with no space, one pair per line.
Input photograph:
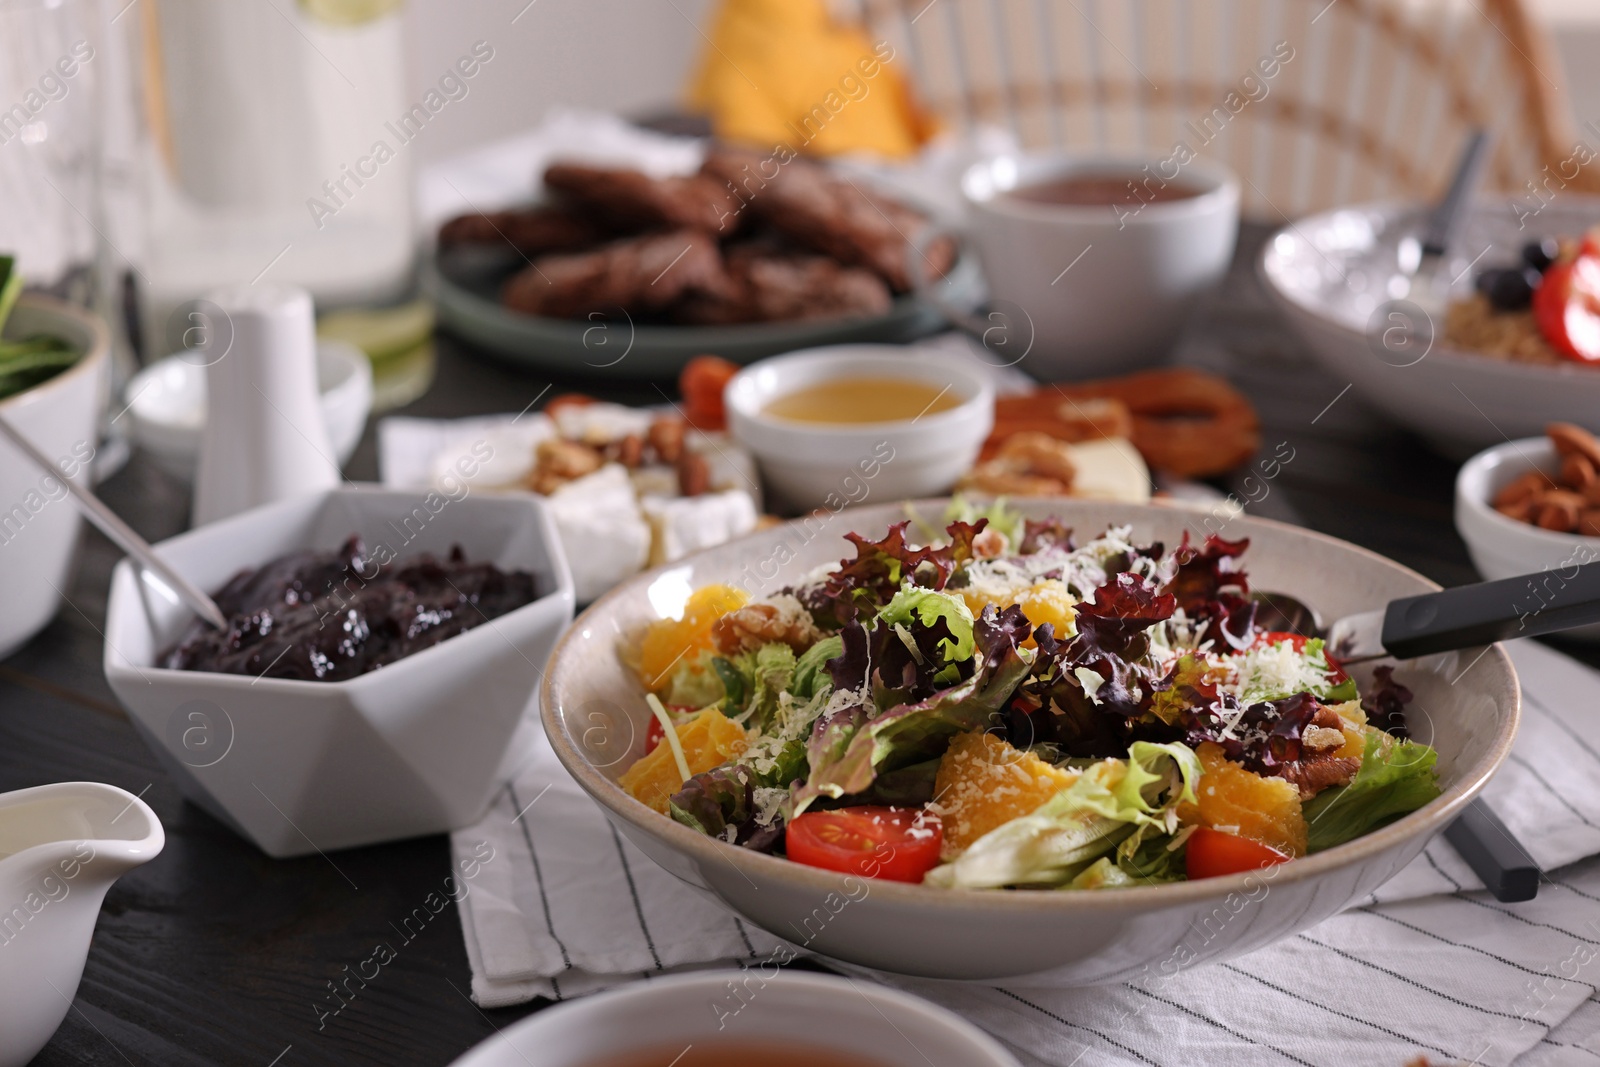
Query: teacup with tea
[1094,264]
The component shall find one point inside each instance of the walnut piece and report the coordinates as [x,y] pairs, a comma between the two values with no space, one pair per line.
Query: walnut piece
[557,462]
[755,625]
[989,544]
[1315,773]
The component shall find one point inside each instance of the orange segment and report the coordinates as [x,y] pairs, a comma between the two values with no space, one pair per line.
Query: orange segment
[984,782]
[709,739]
[1355,743]
[1240,801]
[669,640]
[1043,601]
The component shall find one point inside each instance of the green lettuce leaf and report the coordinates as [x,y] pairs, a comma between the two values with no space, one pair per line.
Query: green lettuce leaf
[770,669]
[1114,805]
[811,669]
[1152,860]
[917,606]
[747,685]
[1002,519]
[1396,778]
[696,681]
[851,746]
[1102,874]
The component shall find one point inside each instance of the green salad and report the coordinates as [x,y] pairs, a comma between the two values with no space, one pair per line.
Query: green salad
[1001,707]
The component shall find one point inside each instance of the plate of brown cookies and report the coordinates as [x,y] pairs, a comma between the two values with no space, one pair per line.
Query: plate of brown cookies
[619,271]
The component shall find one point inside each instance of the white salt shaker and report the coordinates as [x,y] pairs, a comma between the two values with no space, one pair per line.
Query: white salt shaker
[264,436]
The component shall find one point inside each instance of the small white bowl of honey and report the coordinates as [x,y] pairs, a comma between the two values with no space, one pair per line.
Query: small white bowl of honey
[834,427]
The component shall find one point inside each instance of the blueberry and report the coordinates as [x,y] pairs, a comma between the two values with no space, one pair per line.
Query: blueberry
[1509,288]
[1540,254]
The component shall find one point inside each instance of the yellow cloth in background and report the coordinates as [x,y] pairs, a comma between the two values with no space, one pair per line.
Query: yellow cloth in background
[783,72]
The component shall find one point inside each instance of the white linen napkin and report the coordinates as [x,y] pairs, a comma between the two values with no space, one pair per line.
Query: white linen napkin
[1430,964]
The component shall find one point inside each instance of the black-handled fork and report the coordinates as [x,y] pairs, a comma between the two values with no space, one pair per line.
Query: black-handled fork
[1447,621]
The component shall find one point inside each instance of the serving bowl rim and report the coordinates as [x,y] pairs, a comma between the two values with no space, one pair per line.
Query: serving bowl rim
[1429,819]
[1456,359]
[122,665]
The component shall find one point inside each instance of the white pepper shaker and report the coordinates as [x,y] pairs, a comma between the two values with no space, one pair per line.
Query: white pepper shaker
[264,436]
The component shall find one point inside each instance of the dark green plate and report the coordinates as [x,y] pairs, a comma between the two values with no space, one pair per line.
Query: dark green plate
[464,283]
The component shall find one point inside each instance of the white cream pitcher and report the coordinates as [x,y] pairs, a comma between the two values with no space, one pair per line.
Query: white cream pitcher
[61,847]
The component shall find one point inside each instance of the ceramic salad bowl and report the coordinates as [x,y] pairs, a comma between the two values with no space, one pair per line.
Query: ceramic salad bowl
[1465,706]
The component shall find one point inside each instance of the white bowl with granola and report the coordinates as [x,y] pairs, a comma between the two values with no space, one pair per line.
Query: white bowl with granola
[1465,375]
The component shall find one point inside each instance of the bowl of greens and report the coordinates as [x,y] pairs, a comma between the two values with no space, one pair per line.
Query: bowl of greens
[54,360]
[1050,741]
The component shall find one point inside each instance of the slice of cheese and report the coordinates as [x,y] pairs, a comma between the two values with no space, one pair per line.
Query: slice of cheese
[497,457]
[1109,469]
[605,534]
[600,423]
[681,525]
[730,465]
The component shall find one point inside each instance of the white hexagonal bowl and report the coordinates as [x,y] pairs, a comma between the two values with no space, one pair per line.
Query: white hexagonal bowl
[409,749]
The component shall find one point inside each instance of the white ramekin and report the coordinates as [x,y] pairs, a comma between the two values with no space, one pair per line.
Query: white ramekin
[817,465]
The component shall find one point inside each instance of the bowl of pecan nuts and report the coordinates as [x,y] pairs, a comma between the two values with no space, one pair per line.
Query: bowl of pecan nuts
[1533,505]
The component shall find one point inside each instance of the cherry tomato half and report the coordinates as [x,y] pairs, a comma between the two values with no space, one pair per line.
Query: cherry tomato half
[1298,643]
[1590,245]
[1567,308]
[1212,853]
[898,844]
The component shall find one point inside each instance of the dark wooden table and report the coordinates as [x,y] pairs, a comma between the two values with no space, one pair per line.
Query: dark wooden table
[215,954]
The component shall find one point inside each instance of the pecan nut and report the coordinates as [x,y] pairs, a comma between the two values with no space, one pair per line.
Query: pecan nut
[1574,440]
[666,437]
[1558,509]
[694,473]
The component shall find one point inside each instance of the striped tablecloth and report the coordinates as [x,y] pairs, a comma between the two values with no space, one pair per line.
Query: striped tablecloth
[1429,965]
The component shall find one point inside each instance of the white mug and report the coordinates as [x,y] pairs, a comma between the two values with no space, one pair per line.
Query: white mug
[1079,291]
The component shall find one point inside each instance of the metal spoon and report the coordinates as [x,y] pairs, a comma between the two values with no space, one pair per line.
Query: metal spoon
[1421,258]
[122,534]
[1455,619]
